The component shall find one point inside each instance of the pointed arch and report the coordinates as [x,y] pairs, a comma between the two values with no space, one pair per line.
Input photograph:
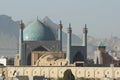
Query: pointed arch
[40,48]
[78,57]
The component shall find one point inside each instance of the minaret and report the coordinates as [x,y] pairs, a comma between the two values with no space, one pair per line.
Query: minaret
[68,55]
[60,35]
[21,27]
[101,50]
[85,31]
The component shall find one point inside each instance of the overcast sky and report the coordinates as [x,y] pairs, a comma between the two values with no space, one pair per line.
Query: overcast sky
[101,16]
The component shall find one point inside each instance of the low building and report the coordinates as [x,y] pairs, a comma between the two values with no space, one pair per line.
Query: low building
[102,57]
[3,61]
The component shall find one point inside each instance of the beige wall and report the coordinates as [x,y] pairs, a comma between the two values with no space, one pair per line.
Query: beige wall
[16,60]
[1,70]
[36,61]
[55,72]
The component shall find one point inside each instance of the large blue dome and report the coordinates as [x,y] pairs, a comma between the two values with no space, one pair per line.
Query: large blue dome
[37,31]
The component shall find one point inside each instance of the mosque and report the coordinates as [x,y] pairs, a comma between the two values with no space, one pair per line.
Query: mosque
[39,46]
[41,54]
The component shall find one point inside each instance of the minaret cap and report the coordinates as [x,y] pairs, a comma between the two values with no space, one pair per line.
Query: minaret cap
[21,25]
[69,30]
[60,25]
[85,29]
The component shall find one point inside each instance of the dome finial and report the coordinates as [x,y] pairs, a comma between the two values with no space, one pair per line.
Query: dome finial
[69,25]
[60,22]
[21,21]
[85,25]
[37,18]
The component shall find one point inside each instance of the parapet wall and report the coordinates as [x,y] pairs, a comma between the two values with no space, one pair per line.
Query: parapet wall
[56,72]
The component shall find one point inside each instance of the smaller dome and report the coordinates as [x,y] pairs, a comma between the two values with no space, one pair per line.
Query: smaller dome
[101,44]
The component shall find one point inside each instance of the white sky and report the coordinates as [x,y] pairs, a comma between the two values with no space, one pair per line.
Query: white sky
[101,16]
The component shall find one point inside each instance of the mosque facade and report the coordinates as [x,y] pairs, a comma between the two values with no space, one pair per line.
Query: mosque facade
[38,43]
